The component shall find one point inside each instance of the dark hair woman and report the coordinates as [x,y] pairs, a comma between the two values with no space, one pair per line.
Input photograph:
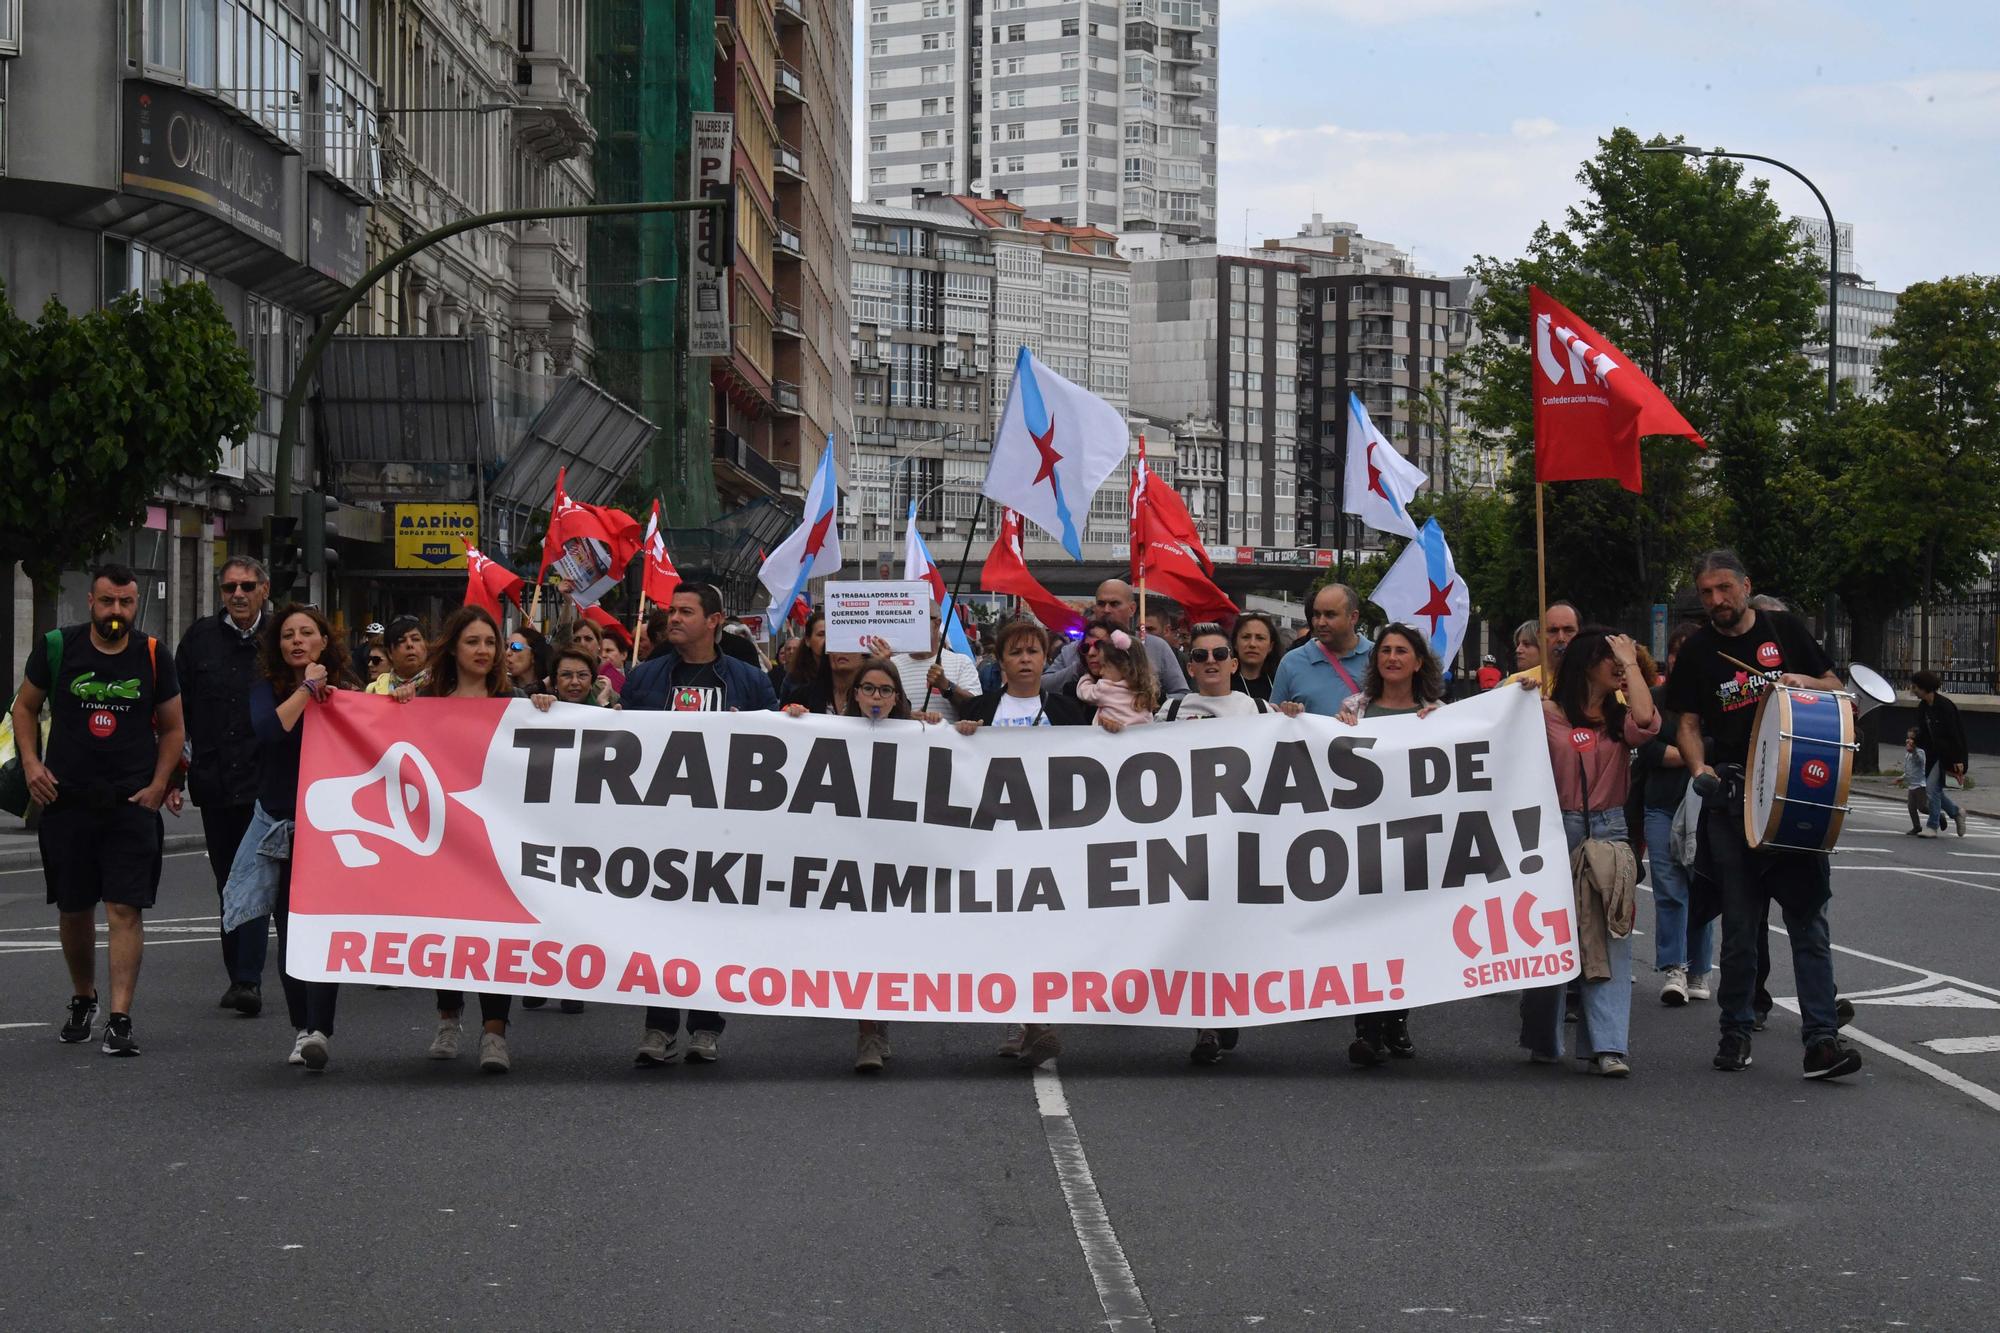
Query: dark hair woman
[1255,643]
[830,688]
[1403,679]
[878,696]
[803,668]
[303,665]
[466,663]
[1591,731]
[529,659]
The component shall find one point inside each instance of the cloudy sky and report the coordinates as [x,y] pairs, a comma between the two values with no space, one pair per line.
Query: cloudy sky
[1451,127]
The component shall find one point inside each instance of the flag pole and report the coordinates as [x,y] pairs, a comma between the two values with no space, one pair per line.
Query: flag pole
[1541,590]
[957,586]
[639,621]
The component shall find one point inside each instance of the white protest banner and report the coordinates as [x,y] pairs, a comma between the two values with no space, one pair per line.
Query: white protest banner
[895,610]
[1212,874]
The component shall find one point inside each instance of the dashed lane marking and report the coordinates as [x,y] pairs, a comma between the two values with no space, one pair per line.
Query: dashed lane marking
[1117,1289]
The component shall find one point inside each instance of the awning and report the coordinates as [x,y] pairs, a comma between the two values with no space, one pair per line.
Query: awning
[583,429]
[405,400]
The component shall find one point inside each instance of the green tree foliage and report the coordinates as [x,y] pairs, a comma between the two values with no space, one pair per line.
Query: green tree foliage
[99,411]
[1706,287]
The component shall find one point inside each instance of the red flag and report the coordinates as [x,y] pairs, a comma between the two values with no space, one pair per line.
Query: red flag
[1167,554]
[571,520]
[1591,403]
[1006,571]
[659,577]
[486,583]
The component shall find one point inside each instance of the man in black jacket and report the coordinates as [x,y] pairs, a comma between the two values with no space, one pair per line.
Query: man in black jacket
[217,663]
[1941,736]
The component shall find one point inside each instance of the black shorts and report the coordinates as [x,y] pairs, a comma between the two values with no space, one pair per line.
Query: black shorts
[102,856]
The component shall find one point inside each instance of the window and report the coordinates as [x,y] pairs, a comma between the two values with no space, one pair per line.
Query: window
[879,47]
[1068,127]
[933,74]
[1017,97]
[878,16]
[930,171]
[347,122]
[1069,161]
[878,111]
[1011,65]
[1016,165]
[1068,194]
[1017,32]
[1015,129]
[878,78]
[10,29]
[1069,92]
[878,143]
[931,41]
[929,107]
[1070,60]
[1069,28]
[930,139]
[878,175]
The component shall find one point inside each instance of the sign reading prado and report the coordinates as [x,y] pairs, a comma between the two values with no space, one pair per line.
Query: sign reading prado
[1274,869]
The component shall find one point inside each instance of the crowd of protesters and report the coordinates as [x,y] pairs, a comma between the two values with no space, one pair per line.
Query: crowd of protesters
[1626,736]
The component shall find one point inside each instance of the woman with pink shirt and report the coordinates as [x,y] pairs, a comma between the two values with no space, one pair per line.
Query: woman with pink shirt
[1591,731]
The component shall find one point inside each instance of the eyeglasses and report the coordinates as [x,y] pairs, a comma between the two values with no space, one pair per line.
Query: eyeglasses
[376,660]
[1208,654]
[240,587]
[875,691]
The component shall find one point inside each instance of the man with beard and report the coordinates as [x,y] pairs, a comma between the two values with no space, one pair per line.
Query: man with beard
[114,742]
[1722,671]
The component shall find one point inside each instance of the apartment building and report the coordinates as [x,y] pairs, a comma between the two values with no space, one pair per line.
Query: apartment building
[1097,113]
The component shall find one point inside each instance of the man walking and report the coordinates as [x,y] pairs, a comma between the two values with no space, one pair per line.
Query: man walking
[114,742]
[1330,669]
[1115,603]
[1716,697]
[1941,736]
[217,663]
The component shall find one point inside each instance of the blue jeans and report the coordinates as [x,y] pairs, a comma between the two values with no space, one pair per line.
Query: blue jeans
[1672,946]
[1605,1025]
[1941,805]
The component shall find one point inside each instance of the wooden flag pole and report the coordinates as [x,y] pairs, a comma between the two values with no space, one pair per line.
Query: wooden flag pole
[1541,590]
[639,622]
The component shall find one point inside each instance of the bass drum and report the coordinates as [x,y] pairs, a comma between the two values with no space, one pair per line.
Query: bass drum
[1801,766]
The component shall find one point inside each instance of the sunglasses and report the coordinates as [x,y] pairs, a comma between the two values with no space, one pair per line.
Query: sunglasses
[517,646]
[875,691]
[1209,654]
[239,587]
[1090,645]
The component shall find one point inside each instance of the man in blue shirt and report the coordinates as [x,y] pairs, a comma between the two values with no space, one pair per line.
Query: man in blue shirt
[1321,674]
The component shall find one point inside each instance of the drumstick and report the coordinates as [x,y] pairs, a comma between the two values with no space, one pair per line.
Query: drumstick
[1767,675]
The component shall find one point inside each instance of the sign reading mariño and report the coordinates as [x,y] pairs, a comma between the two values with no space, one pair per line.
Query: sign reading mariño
[427,535]
[181,148]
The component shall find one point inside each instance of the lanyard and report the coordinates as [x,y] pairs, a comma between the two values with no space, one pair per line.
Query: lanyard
[1334,662]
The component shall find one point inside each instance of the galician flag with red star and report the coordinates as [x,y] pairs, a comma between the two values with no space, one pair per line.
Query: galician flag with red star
[1423,590]
[1380,481]
[813,549]
[1055,446]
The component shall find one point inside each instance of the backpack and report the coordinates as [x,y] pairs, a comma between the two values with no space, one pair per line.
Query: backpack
[14,798]
[1174,707]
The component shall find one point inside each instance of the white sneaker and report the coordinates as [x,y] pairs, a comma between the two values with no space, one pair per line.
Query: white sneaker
[656,1048]
[298,1055]
[493,1053]
[313,1050]
[702,1048]
[444,1046]
[1698,987]
[1929,832]
[1674,993]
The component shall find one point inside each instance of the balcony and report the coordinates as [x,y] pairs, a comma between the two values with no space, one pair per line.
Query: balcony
[951,255]
[725,29]
[1375,336]
[791,86]
[788,243]
[550,119]
[787,397]
[786,162]
[791,11]
[786,322]
[1370,305]
[732,450]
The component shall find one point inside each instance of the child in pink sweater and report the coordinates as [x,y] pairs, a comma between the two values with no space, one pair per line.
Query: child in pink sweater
[1123,689]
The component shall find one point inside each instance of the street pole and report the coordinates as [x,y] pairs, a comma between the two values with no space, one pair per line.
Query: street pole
[329,325]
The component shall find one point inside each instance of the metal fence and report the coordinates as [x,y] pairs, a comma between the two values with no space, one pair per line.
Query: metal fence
[1964,643]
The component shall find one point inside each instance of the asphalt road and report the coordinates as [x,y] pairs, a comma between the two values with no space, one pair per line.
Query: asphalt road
[209,1185]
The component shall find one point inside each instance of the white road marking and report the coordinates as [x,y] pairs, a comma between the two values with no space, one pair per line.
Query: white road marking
[1963,1045]
[4,1027]
[1117,1289]
[1948,997]
[51,946]
[1939,876]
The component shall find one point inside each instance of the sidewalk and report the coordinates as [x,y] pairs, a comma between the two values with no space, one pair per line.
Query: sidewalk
[19,849]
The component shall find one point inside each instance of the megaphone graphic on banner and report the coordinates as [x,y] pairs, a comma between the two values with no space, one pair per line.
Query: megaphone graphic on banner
[330,806]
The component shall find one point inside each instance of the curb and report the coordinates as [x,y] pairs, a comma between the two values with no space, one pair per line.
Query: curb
[30,856]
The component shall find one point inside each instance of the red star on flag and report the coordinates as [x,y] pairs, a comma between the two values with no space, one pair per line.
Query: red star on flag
[1375,475]
[1045,446]
[817,537]
[1437,608]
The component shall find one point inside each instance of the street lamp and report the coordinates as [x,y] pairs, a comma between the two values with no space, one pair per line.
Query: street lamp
[1832,251]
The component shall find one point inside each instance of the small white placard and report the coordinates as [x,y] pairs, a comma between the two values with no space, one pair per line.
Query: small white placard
[897,610]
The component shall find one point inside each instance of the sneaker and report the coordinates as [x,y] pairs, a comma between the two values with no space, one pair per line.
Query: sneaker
[444,1046]
[1843,1010]
[1930,833]
[1365,1054]
[1674,993]
[871,1052]
[702,1048]
[1610,1066]
[313,1050]
[1207,1047]
[1039,1045]
[1959,819]
[1913,832]
[298,1055]
[656,1048]
[1543,1058]
[1229,1036]
[534,1001]
[249,1000]
[1396,1036]
[1828,1058]
[1698,986]
[571,1006]
[1733,1055]
[118,1039]
[82,1015]
[493,1053]
[228,1000]
[1010,1045]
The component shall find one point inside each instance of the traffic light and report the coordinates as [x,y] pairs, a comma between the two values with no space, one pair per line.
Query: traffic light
[725,224]
[284,554]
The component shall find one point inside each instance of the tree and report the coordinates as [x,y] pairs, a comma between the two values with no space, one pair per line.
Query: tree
[1708,289]
[99,411]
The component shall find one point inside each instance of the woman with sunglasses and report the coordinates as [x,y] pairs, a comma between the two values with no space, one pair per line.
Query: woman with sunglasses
[374,658]
[528,660]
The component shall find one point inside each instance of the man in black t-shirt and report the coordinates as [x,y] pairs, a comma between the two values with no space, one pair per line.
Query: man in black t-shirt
[1717,698]
[114,742]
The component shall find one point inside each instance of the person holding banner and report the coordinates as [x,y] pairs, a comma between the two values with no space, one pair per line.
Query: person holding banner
[877,696]
[1117,605]
[689,673]
[408,650]
[1255,642]
[1326,671]
[1599,710]
[467,664]
[528,659]
[302,665]
[1023,701]
[1120,683]
[1404,679]
[586,637]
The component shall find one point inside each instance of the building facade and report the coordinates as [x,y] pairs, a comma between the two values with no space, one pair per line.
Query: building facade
[225,142]
[1865,309]
[1090,112]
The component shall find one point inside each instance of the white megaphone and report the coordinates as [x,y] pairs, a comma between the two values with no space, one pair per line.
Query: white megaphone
[1870,690]
[330,807]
